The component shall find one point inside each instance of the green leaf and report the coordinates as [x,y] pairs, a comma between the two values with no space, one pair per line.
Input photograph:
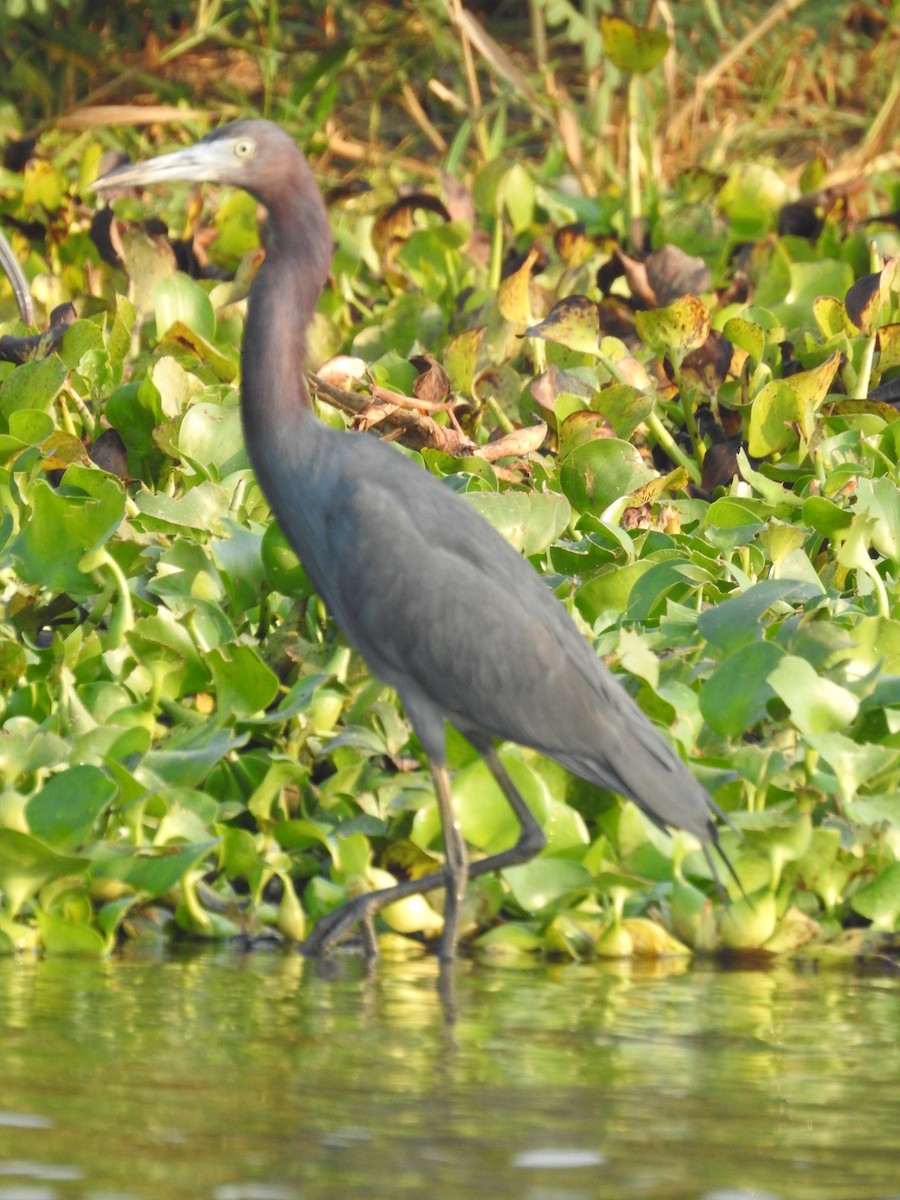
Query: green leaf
[880,899]
[545,880]
[817,705]
[734,697]
[26,864]
[65,524]
[178,298]
[211,435]
[188,756]
[736,621]
[573,321]
[59,936]
[854,764]
[529,521]
[597,473]
[624,407]
[153,872]
[244,684]
[64,812]
[633,48]
[283,568]
[33,385]
[880,498]
[673,332]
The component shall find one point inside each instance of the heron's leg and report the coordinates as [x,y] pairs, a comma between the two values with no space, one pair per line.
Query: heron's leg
[530,842]
[531,839]
[456,867]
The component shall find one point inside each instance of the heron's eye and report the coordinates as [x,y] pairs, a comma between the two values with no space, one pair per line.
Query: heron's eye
[244,148]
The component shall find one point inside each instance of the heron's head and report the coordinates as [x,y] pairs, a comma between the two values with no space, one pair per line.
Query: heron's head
[251,154]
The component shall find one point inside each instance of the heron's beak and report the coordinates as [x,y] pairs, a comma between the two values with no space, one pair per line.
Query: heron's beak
[202,162]
[13,273]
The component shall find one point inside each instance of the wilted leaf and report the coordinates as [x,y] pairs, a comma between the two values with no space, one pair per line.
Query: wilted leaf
[675,331]
[514,292]
[573,322]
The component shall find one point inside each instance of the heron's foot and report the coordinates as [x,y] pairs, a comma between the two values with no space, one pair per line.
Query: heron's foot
[329,930]
[361,910]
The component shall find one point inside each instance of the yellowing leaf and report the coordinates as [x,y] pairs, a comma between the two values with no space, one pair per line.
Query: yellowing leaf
[633,48]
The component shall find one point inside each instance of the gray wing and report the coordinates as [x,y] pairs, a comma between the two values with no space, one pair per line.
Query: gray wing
[443,608]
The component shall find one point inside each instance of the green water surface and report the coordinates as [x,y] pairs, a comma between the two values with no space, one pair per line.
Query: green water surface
[253,1077]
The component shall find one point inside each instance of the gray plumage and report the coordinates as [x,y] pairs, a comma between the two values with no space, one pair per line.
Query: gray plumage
[431,595]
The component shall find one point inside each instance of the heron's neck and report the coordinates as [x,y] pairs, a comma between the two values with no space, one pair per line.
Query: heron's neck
[282,303]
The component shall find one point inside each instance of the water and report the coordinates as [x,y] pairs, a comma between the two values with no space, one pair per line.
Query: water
[251,1077]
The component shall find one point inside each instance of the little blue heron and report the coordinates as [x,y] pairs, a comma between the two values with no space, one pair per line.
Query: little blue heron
[435,600]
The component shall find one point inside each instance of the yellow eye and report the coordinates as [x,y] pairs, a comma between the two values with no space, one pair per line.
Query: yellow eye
[245,148]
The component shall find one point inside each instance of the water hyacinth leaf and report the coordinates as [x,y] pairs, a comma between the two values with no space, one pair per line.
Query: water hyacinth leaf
[597,473]
[460,359]
[736,621]
[148,260]
[775,417]
[529,521]
[13,662]
[517,192]
[880,498]
[673,332]
[545,880]
[63,813]
[609,591]
[509,942]
[29,427]
[880,899]
[854,764]
[514,293]
[283,568]
[134,411]
[747,336]
[189,756]
[816,704]
[635,49]
[811,388]
[825,516]
[211,435]
[578,427]
[178,298]
[63,937]
[280,773]
[888,348]
[224,366]
[33,385]
[864,299]
[150,872]
[65,524]
[651,591]
[735,696]
[651,941]
[26,864]
[770,490]
[291,919]
[624,406]
[748,923]
[412,915]
[573,322]
[203,507]
[752,197]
